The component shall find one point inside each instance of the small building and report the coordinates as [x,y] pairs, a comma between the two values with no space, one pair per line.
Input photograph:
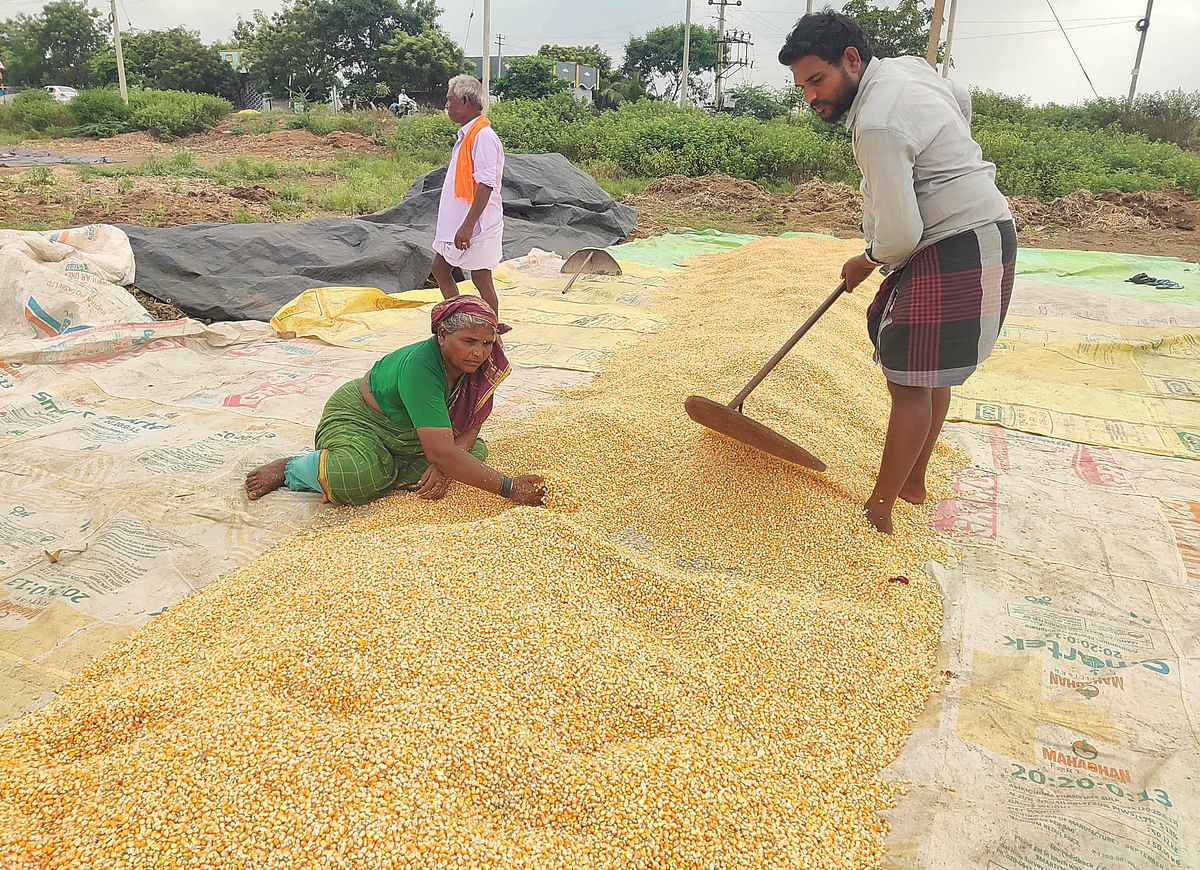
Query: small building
[248,96]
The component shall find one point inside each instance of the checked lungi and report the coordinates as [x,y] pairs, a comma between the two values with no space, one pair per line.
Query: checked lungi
[361,453]
[937,318]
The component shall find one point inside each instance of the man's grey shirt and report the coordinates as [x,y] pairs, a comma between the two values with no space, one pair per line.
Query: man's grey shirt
[924,177]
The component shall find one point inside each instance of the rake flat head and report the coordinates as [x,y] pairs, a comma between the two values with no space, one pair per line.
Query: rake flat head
[736,425]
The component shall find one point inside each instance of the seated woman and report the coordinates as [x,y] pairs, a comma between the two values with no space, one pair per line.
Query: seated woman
[413,420]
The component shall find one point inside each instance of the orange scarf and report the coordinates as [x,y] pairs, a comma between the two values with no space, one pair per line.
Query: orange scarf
[464,169]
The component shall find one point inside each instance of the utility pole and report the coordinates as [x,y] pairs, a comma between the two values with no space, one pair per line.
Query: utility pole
[949,39]
[687,45]
[121,58]
[487,59]
[500,53]
[809,10]
[1142,26]
[935,32]
[720,4]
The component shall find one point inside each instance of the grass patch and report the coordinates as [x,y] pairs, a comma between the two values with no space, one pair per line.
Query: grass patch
[254,169]
[364,185]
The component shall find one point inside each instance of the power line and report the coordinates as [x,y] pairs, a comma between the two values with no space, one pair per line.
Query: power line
[1073,51]
[1046,30]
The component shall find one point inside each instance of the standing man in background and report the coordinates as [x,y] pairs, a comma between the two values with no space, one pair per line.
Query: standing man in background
[935,223]
[470,225]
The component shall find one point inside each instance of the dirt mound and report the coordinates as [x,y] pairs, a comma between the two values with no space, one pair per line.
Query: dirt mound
[1167,208]
[711,193]
[817,204]
[220,144]
[346,139]
[1078,210]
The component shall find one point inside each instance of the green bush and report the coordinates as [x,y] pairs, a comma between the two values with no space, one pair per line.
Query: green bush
[35,111]
[100,107]
[318,125]
[1173,116]
[1046,161]
[416,133]
[1042,152]
[168,114]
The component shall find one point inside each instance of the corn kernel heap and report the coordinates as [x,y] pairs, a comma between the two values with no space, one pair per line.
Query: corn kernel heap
[691,658]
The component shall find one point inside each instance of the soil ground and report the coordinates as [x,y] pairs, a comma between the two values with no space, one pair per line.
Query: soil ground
[1146,222]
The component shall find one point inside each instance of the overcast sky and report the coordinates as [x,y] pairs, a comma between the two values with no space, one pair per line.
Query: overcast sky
[1014,47]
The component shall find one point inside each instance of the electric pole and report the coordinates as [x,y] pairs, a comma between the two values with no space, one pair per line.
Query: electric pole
[935,32]
[809,10]
[121,58]
[499,54]
[1142,26]
[487,59]
[720,4]
[949,39]
[687,44]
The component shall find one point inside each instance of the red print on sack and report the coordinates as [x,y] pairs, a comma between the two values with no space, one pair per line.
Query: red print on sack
[282,384]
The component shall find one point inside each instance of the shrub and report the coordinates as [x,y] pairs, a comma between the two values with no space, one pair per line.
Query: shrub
[168,114]
[99,107]
[35,111]
[416,133]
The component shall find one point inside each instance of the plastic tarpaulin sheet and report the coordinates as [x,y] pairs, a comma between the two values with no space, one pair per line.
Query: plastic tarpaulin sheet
[1108,271]
[573,330]
[126,444]
[247,271]
[1062,733]
[1093,367]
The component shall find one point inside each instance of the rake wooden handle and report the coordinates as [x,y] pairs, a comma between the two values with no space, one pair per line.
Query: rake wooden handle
[736,404]
[579,271]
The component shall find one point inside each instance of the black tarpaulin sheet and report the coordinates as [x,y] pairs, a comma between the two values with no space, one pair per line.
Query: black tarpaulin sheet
[249,271]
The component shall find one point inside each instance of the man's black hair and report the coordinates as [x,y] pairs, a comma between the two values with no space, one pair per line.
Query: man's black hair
[825,34]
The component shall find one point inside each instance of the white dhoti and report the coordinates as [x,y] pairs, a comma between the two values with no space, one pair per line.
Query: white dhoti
[486,251]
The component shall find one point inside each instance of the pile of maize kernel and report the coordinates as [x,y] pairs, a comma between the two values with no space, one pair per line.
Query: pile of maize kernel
[692,657]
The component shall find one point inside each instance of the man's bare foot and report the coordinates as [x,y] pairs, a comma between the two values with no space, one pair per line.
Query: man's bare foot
[879,516]
[914,494]
[266,478]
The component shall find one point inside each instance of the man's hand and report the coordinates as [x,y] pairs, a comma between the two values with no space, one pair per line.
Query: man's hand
[462,238]
[433,484]
[855,270]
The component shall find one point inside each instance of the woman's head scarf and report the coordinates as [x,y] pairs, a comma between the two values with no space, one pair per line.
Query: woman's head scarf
[471,402]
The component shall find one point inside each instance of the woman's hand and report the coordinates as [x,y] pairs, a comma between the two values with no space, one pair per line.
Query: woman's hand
[528,489]
[433,484]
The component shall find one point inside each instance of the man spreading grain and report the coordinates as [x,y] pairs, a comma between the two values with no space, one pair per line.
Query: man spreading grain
[413,420]
[935,224]
[470,225]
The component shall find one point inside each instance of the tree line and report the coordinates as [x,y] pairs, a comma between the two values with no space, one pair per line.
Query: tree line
[369,49]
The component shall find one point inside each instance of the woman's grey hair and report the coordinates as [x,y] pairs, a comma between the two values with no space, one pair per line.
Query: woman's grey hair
[461,320]
[467,87]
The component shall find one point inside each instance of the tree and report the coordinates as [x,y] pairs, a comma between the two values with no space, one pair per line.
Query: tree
[756,101]
[585,55]
[174,59]
[54,46]
[421,64]
[288,53]
[624,88]
[660,53]
[529,78]
[311,45]
[893,32]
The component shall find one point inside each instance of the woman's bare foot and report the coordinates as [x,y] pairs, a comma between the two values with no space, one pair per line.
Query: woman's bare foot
[266,478]
[879,516]
[914,494]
